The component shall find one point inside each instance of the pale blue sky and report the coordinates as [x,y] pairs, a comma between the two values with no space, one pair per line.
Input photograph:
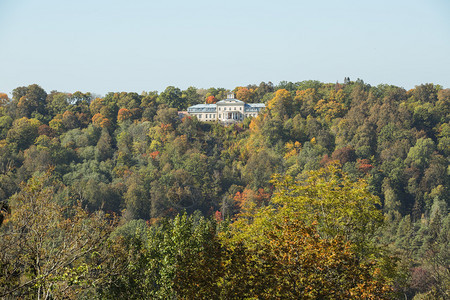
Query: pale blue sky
[136,45]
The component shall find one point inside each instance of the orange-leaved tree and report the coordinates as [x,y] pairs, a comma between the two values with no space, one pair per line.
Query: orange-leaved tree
[123,115]
[211,100]
[244,94]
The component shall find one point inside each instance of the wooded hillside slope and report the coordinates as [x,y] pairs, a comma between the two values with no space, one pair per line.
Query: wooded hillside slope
[131,156]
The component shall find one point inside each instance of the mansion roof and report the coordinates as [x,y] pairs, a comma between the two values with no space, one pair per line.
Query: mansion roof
[202,108]
[229,101]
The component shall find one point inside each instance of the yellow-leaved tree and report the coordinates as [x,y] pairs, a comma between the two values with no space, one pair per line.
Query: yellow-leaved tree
[313,241]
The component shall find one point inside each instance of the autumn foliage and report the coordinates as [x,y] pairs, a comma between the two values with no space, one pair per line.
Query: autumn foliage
[3,99]
[123,114]
[248,198]
[363,175]
[311,241]
[211,100]
[307,266]
[100,121]
[244,94]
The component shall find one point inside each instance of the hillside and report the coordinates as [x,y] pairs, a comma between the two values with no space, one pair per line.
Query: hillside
[131,156]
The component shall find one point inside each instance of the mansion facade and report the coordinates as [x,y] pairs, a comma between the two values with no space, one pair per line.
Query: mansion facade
[229,110]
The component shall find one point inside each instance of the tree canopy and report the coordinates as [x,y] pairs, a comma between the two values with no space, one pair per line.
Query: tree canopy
[362,172]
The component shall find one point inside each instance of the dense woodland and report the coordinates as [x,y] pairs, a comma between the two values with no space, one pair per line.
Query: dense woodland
[334,191]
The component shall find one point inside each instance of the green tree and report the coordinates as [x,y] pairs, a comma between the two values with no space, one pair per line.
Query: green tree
[57,103]
[30,101]
[104,148]
[191,97]
[179,258]
[443,139]
[172,96]
[137,198]
[23,132]
[5,125]
[259,168]
[420,154]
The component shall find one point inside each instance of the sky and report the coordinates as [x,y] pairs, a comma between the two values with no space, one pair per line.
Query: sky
[103,46]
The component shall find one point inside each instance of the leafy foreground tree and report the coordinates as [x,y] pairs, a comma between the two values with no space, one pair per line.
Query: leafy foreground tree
[296,263]
[313,241]
[46,248]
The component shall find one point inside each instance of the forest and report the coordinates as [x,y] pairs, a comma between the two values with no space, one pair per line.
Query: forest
[335,191]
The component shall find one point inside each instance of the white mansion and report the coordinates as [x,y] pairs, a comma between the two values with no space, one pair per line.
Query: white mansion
[230,110]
